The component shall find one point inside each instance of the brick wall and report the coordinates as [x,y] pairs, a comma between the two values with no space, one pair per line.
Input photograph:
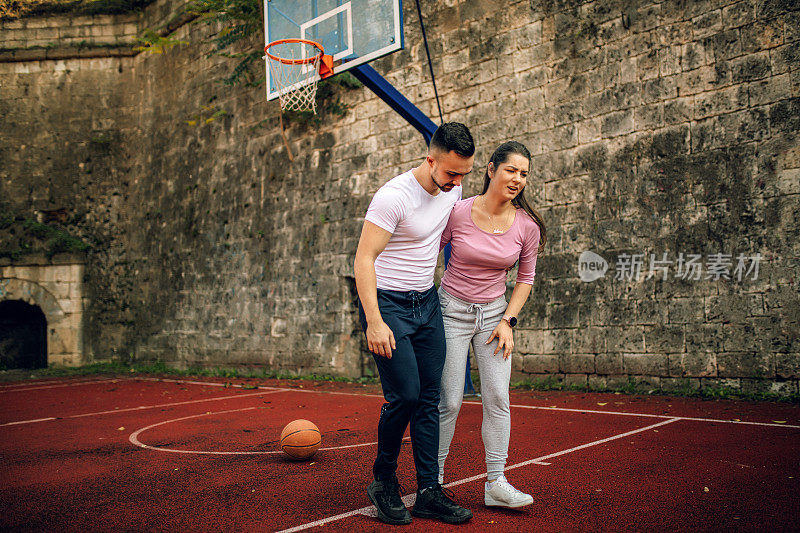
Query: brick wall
[656,127]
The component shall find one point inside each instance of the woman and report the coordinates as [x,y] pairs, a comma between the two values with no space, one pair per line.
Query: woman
[489,233]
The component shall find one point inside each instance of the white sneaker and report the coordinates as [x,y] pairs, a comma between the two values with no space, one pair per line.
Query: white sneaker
[501,493]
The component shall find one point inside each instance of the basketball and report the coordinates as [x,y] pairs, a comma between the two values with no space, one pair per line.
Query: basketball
[300,439]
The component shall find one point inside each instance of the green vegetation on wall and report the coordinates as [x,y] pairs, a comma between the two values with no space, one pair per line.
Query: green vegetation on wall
[12,9]
[21,235]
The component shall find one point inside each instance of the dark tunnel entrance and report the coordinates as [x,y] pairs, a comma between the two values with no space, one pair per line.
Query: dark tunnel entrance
[23,335]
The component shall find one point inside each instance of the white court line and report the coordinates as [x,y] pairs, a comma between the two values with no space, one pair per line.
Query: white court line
[28,421]
[141,407]
[134,438]
[621,413]
[72,384]
[14,384]
[285,389]
[409,498]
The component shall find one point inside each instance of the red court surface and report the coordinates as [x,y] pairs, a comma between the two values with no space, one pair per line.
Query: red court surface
[139,454]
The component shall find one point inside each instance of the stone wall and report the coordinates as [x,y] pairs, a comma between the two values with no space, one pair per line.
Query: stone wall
[657,128]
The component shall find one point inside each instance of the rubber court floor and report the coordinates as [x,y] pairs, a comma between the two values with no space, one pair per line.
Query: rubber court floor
[159,454]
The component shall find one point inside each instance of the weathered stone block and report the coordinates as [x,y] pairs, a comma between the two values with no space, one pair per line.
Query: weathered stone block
[707,24]
[597,383]
[609,363]
[625,339]
[762,35]
[733,308]
[577,363]
[540,364]
[783,388]
[738,14]
[617,382]
[680,384]
[528,341]
[649,382]
[646,364]
[751,67]
[692,364]
[590,340]
[659,339]
[669,59]
[618,123]
[787,365]
[745,365]
[575,380]
[649,117]
[722,101]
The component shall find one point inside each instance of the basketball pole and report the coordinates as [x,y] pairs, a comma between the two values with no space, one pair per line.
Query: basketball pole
[399,103]
[403,106]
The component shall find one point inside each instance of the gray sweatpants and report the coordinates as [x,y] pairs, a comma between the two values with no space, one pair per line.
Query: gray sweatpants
[466,323]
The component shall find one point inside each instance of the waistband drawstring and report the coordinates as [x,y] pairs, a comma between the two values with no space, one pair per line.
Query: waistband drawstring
[416,309]
[478,308]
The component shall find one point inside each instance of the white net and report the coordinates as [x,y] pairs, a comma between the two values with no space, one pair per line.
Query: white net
[296,84]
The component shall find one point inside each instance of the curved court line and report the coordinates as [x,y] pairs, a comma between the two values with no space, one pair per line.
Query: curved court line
[134,438]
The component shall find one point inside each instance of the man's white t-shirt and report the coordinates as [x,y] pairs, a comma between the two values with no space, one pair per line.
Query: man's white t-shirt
[416,220]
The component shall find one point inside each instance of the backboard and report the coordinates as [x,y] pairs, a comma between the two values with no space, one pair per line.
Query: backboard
[352,31]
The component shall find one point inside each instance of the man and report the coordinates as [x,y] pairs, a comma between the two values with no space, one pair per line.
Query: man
[400,314]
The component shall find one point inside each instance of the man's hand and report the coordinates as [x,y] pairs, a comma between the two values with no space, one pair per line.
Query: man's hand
[505,336]
[380,339]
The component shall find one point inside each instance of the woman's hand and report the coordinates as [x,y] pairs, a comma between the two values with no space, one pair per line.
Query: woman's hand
[505,336]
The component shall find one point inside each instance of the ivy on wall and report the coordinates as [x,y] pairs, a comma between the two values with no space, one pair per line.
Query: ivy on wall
[21,235]
[12,9]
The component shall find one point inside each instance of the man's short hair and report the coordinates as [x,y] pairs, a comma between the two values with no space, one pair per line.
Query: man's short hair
[453,137]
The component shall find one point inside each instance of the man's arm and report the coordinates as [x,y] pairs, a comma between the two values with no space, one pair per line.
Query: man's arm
[380,338]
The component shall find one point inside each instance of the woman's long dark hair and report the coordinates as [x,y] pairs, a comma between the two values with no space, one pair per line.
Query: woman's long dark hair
[499,157]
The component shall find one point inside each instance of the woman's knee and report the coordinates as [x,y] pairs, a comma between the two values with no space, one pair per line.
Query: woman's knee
[496,397]
[450,401]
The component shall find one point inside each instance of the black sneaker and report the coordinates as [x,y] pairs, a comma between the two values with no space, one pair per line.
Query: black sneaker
[385,496]
[437,502]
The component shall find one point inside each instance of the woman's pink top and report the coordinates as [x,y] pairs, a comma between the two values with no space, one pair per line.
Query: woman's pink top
[480,260]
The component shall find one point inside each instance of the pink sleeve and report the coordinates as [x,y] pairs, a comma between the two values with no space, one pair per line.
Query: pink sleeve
[527,257]
[448,231]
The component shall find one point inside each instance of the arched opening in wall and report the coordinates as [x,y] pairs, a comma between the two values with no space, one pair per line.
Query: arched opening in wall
[23,335]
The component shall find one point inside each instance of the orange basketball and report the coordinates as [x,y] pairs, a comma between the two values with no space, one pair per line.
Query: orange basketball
[300,439]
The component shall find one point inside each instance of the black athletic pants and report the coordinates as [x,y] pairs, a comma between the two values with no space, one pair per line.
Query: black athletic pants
[410,381]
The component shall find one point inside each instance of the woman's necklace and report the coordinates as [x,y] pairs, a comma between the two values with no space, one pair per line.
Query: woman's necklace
[495,229]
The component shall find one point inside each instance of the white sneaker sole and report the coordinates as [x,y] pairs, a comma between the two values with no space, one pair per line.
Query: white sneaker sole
[491,502]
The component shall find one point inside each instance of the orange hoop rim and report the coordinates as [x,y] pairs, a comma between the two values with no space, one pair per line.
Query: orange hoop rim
[295,61]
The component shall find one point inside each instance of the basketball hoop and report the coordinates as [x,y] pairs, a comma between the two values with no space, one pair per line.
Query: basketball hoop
[292,63]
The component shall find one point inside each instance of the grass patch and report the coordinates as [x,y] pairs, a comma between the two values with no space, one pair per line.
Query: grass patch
[552,383]
[160,368]
[547,383]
